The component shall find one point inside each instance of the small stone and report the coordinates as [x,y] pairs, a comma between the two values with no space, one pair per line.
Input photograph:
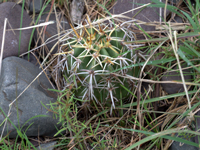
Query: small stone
[177,19]
[76,10]
[51,31]
[147,14]
[12,12]
[32,59]
[35,5]
[176,145]
[173,1]
[172,88]
[181,146]
[16,75]
[47,146]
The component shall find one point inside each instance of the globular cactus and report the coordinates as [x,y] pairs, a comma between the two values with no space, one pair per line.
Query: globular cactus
[94,56]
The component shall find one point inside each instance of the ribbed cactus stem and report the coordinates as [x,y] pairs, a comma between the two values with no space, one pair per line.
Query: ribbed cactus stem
[91,57]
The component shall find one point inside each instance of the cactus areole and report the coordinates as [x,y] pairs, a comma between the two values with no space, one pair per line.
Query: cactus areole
[94,56]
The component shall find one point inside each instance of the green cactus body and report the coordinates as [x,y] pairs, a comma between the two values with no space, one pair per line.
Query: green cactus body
[93,58]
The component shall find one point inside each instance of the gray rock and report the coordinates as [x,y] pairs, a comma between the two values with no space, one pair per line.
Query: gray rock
[12,12]
[35,5]
[148,14]
[172,88]
[16,74]
[50,34]
[180,146]
[173,1]
[177,1]
[177,19]
[3,1]
[76,10]
[185,136]
[32,59]
[47,146]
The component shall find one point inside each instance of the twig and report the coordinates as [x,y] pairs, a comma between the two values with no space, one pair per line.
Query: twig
[175,49]
[2,44]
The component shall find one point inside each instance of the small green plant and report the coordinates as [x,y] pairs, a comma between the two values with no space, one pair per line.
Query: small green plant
[97,62]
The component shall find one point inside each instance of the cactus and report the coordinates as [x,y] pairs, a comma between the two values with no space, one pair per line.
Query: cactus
[94,56]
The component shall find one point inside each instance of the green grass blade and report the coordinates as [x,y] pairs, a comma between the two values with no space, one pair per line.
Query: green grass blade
[158,99]
[192,49]
[191,21]
[32,33]
[162,134]
[182,55]
[154,62]
[179,36]
[20,31]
